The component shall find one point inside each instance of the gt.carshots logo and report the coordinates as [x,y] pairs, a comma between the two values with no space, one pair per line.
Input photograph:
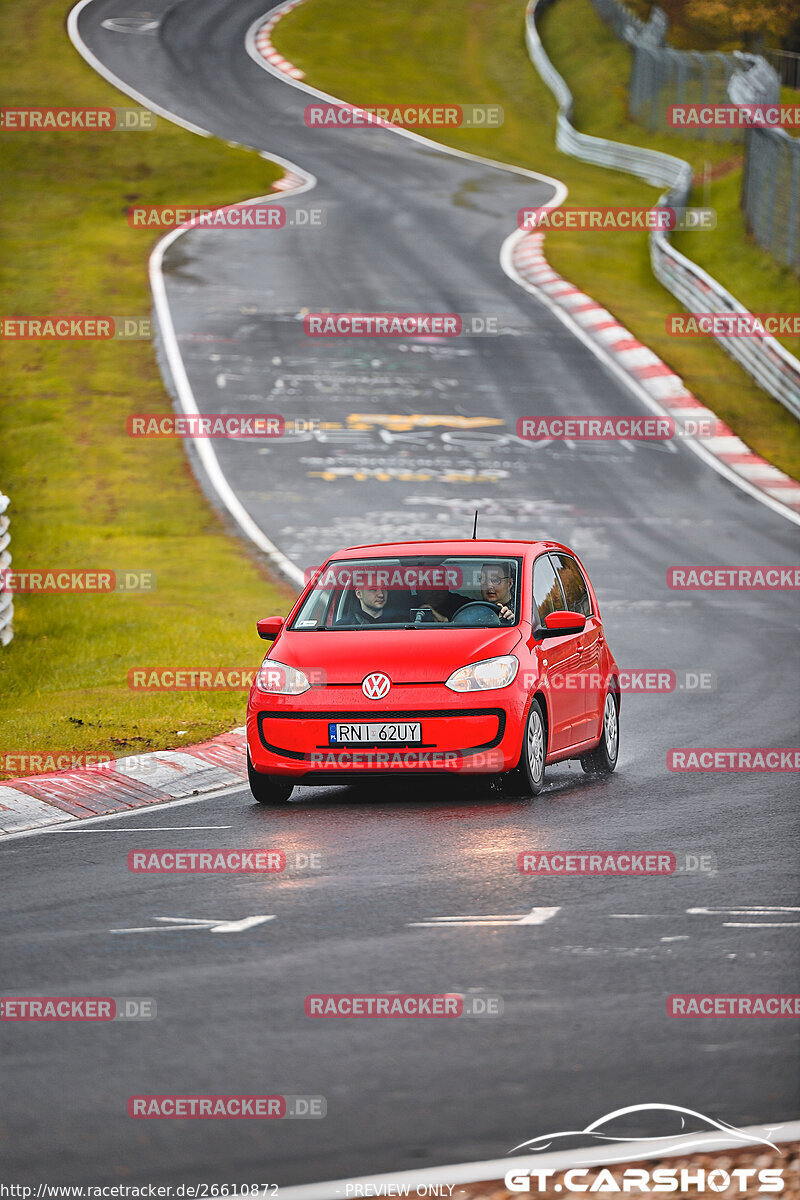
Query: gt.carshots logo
[613,1168]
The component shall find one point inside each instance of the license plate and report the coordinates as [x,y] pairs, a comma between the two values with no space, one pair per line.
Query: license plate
[376,732]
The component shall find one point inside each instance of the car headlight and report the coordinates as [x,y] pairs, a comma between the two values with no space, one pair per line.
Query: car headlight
[277,678]
[484,676]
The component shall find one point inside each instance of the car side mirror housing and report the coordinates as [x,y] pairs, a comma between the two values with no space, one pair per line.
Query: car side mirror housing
[269,628]
[557,624]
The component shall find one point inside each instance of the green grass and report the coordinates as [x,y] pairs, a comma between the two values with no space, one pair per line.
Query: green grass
[83,494]
[411,51]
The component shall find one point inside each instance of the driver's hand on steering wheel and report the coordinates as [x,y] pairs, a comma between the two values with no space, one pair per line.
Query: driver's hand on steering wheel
[505,613]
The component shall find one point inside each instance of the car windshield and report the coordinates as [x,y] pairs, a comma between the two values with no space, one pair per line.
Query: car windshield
[413,592]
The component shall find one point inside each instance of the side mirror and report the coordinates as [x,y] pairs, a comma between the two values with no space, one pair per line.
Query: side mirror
[269,628]
[556,624]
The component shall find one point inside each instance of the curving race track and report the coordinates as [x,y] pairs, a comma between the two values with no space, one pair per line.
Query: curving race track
[412,228]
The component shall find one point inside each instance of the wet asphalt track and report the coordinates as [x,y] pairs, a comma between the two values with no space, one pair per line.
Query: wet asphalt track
[585,1028]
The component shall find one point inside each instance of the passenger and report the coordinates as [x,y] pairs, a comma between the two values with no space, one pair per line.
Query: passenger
[371,603]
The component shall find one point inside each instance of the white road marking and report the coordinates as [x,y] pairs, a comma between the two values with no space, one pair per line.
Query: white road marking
[214,794]
[761,924]
[134,829]
[213,926]
[758,910]
[536,916]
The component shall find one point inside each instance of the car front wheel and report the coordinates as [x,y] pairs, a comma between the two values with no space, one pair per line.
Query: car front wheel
[528,778]
[603,759]
[268,789]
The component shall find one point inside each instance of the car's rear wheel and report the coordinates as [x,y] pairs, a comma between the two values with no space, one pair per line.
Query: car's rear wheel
[268,789]
[603,759]
[528,777]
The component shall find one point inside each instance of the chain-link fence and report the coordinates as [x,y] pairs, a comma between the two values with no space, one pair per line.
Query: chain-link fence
[787,65]
[771,193]
[661,76]
[6,599]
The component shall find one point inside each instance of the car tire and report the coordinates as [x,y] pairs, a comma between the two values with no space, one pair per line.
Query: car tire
[528,777]
[268,789]
[603,759]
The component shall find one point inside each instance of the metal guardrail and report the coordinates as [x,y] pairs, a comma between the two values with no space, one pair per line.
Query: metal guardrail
[769,363]
[6,598]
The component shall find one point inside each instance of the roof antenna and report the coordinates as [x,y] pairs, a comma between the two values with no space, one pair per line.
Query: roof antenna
[475,526]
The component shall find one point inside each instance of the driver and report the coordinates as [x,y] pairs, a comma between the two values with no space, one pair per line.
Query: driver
[496,588]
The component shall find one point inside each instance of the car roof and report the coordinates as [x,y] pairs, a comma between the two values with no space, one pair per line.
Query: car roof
[477,546]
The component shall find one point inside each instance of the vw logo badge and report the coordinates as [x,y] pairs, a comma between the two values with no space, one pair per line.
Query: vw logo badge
[376,686]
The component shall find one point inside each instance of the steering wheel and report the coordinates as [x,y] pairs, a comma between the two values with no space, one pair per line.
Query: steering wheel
[464,617]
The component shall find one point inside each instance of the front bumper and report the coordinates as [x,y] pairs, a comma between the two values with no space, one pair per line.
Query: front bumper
[476,733]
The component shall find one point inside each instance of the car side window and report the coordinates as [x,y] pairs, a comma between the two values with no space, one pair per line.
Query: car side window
[576,593]
[547,594]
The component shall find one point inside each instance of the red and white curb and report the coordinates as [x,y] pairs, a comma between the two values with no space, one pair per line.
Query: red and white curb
[658,380]
[122,784]
[263,41]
